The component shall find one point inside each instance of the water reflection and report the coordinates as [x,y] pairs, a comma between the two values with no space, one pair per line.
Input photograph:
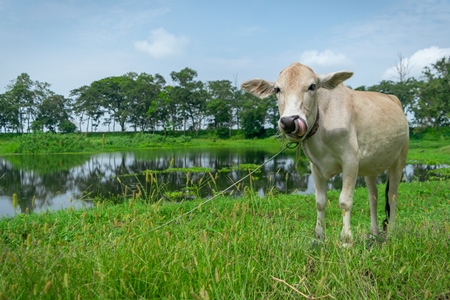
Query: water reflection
[60,181]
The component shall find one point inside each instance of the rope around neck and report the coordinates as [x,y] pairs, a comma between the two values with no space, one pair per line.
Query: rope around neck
[290,145]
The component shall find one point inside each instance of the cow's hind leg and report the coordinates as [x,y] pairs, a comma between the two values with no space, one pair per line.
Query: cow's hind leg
[371,182]
[394,177]
[395,173]
[320,187]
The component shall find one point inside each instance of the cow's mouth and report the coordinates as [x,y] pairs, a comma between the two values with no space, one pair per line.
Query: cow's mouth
[300,127]
[294,127]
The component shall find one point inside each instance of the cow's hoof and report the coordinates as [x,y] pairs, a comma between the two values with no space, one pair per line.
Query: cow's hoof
[347,245]
[375,239]
[317,243]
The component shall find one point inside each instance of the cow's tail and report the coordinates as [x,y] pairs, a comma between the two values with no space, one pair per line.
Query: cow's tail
[387,207]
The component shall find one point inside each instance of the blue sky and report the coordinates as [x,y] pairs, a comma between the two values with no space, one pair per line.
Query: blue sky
[70,43]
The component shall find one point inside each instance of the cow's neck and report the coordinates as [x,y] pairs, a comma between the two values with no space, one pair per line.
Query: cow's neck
[314,127]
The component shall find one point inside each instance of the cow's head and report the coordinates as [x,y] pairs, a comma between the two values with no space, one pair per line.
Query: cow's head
[296,90]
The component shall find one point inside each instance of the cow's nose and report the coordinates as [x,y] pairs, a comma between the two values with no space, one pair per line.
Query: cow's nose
[293,125]
[287,124]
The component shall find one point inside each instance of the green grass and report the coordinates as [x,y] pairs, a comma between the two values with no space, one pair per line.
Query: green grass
[245,248]
[429,152]
[46,143]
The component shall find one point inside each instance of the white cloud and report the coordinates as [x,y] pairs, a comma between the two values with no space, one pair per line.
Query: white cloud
[162,44]
[418,61]
[323,59]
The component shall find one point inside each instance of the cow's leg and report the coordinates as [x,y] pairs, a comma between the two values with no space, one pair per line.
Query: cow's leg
[395,173]
[349,176]
[371,182]
[320,187]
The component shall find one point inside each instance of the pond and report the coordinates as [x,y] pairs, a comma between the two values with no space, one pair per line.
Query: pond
[61,181]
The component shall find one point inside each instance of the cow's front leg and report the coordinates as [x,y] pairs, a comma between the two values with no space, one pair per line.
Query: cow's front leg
[349,175]
[320,187]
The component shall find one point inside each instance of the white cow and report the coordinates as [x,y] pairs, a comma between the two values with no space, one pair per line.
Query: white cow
[341,131]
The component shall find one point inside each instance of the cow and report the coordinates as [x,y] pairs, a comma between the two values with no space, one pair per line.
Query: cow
[356,133]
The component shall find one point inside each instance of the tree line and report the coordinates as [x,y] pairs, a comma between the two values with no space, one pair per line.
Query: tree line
[146,103]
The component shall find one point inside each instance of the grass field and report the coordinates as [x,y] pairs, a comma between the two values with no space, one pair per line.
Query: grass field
[48,143]
[246,248]
[434,151]
[233,248]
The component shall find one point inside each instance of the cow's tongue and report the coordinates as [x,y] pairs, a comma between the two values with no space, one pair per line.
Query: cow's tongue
[300,127]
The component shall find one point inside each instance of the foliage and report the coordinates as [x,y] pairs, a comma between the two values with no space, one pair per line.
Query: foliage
[404,90]
[53,112]
[222,106]
[189,95]
[31,105]
[255,114]
[67,126]
[433,104]
[430,134]
[223,132]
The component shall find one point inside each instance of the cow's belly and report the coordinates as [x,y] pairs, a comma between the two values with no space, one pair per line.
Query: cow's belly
[329,166]
[373,162]
[371,158]
[377,156]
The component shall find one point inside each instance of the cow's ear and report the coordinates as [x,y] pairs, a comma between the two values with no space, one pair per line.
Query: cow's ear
[332,80]
[259,87]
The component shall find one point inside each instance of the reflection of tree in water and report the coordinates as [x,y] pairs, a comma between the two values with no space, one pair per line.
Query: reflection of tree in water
[422,172]
[335,183]
[42,177]
[98,176]
[48,176]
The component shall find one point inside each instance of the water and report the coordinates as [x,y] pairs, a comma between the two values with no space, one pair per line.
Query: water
[50,182]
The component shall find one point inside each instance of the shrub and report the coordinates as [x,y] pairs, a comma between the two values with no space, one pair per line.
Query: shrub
[223,133]
[39,143]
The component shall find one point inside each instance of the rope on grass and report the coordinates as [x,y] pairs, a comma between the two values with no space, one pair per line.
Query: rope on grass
[290,145]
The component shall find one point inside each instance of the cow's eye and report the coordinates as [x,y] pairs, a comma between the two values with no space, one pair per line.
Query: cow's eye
[276,90]
[312,87]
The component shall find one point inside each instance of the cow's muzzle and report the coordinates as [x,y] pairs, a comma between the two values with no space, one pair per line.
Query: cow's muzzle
[293,125]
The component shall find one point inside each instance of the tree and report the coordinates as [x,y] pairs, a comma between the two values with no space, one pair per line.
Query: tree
[112,92]
[87,106]
[141,92]
[190,95]
[66,126]
[53,110]
[165,109]
[253,115]
[404,90]
[21,96]
[220,105]
[402,68]
[433,103]
[273,115]
[9,113]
